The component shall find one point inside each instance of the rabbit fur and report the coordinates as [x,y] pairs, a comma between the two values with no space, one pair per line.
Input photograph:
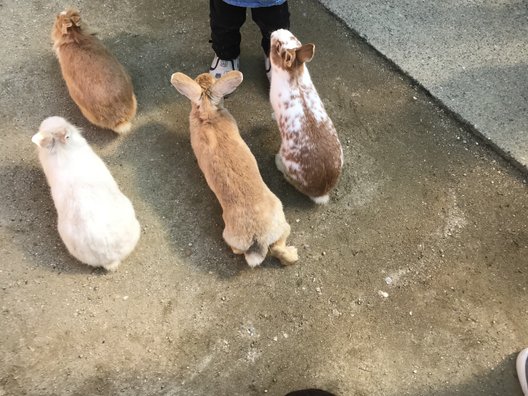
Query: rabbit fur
[96,81]
[310,156]
[253,215]
[96,221]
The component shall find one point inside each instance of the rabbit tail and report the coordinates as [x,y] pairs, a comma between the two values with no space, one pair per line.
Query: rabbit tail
[256,253]
[124,126]
[322,200]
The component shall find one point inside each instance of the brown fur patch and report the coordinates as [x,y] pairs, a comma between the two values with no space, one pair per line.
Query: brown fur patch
[205,80]
[319,163]
[324,167]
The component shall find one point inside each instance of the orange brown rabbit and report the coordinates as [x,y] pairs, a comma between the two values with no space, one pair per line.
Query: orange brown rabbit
[96,81]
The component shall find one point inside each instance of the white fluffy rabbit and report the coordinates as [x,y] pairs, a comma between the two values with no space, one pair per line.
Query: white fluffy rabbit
[310,155]
[96,221]
[253,215]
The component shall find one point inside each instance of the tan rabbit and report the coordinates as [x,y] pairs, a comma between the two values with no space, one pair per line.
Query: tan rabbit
[310,155]
[253,215]
[97,82]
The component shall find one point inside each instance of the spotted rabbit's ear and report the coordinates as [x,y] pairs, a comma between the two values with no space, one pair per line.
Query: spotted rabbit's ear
[305,53]
[187,87]
[288,56]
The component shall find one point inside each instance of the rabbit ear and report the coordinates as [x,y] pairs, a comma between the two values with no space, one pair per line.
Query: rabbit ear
[305,53]
[66,23]
[37,138]
[42,140]
[225,85]
[76,19]
[288,56]
[63,135]
[47,139]
[187,87]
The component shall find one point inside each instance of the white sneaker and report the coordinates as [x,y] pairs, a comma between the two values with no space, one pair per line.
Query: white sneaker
[267,67]
[219,67]
[522,370]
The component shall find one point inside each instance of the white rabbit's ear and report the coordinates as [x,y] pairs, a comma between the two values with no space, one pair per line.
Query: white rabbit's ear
[37,138]
[42,140]
[305,53]
[225,85]
[187,87]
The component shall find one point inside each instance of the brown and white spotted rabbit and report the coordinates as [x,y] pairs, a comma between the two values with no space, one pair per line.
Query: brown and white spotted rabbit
[310,156]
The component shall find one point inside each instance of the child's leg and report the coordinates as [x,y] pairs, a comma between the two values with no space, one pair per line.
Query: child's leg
[270,19]
[226,21]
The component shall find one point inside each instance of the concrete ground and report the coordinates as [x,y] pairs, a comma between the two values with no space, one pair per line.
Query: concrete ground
[471,55]
[412,281]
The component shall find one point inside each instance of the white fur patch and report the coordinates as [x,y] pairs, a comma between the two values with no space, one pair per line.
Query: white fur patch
[322,200]
[286,38]
[53,123]
[254,259]
[112,267]
[37,138]
[313,101]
